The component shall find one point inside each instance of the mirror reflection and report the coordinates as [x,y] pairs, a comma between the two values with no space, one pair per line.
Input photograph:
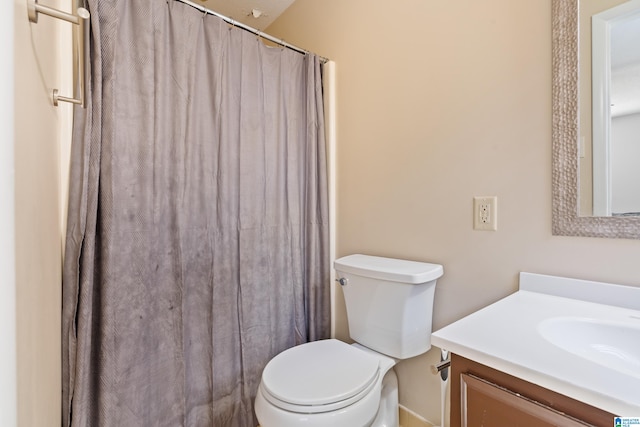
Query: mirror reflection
[609,144]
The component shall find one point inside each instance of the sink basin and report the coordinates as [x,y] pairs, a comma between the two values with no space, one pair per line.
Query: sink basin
[615,345]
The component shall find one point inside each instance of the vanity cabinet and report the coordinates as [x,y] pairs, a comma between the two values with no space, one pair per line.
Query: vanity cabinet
[483,396]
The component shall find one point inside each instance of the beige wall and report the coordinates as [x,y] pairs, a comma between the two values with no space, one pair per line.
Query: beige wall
[440,101]
[7,215]
[40,128]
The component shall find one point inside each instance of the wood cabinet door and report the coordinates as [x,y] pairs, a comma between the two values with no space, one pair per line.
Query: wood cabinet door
[571,408]
[488,405]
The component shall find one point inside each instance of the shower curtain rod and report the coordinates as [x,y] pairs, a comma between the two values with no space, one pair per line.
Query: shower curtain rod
[250,29]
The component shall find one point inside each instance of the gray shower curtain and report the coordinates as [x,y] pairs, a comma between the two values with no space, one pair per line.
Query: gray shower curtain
[197,243]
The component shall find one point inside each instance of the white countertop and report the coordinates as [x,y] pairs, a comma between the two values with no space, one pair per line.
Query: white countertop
[505,336]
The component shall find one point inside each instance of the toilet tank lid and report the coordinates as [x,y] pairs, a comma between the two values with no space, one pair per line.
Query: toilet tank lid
[396,270]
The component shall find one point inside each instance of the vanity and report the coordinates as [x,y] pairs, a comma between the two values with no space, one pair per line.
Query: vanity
[559,351]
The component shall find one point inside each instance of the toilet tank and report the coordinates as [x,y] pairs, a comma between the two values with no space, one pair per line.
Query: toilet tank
[389,302]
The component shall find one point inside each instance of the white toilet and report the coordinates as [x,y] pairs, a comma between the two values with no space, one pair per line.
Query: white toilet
[331,383]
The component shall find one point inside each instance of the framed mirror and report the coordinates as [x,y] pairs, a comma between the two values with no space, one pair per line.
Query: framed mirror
[566,134]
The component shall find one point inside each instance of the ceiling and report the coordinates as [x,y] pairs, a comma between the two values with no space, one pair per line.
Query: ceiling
[258,14]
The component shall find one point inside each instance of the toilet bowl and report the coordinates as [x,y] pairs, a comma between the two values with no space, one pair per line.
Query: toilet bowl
[329,383]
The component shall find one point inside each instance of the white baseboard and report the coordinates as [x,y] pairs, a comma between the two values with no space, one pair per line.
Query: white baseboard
[408,418]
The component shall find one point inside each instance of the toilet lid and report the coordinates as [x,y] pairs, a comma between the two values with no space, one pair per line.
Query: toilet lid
[320,373]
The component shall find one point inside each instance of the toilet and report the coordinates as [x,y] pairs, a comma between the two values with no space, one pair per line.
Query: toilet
[330,383]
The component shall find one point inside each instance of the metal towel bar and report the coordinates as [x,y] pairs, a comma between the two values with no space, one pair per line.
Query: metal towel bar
[81,19]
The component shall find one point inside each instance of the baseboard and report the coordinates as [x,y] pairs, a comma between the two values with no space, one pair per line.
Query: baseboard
[408,418]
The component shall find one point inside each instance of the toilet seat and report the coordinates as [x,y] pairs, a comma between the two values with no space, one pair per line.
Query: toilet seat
[320,376]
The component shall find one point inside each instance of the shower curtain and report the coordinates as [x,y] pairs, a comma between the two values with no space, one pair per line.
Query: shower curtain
[197,243]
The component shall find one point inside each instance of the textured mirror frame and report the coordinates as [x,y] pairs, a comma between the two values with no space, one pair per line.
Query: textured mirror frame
[565,95]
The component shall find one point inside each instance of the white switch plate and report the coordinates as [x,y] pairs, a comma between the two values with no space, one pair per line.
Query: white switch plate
[485,213]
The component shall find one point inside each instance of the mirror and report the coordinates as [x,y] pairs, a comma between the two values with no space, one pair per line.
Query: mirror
[568,113]
[609,95]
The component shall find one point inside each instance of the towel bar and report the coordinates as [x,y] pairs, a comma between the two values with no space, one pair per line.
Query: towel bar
[81,20]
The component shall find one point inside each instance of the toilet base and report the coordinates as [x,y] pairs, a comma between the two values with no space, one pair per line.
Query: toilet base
[388,415]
